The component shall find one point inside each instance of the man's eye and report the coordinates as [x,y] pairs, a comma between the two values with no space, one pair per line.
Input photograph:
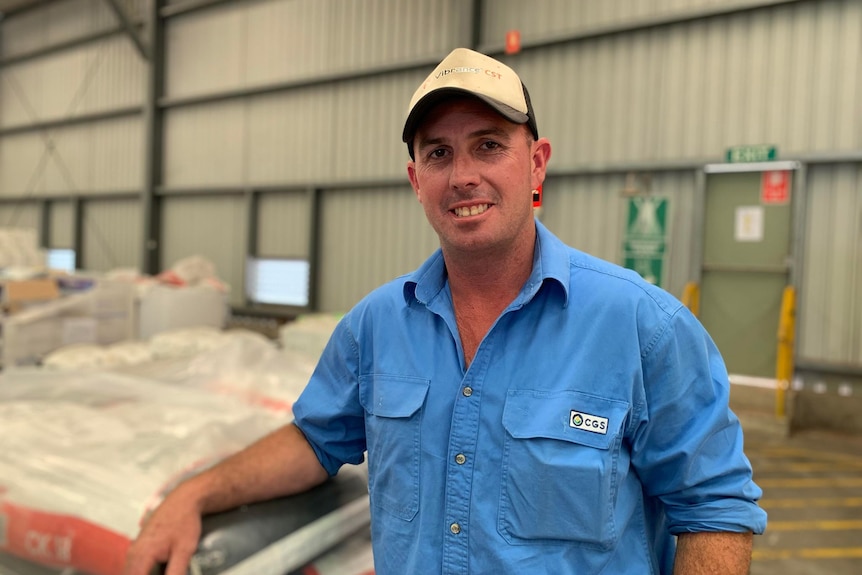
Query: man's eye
[490,145]
[438,153]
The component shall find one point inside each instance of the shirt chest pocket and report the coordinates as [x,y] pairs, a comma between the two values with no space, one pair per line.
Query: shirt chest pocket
[560,467]
[393,413]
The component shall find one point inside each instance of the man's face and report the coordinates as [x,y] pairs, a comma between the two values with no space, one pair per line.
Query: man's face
[474,174]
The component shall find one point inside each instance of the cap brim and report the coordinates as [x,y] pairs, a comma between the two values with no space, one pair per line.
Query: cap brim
[431,99]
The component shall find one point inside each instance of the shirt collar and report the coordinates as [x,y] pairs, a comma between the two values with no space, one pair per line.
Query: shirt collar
[550,265]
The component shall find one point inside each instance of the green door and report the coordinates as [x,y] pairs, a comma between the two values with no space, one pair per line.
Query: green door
[745,268]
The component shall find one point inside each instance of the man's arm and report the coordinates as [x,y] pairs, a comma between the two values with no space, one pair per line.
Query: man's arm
[713,554]
[282,463]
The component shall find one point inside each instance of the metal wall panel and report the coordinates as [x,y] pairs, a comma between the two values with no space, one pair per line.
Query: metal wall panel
[206,145]
[369,118]
[21,216]
[316,134]
[54,24]
[830,309]
[369,237]
[209,226]
[785,75]
[589,213]
[291,136]
[95,77]
[243,44]
[538,19]
[111,235]
[62,225]
[104,156]
[283,225]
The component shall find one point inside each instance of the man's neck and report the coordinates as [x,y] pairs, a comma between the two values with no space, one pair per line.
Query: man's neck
[495,279]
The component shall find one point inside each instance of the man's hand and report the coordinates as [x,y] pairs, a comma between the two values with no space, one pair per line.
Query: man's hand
[713,554]
[170,535]
[282,463]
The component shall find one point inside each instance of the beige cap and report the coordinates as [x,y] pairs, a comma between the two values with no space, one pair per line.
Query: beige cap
[467,72]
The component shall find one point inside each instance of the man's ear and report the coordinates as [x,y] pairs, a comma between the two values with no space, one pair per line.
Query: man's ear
[414,182]
[541,153]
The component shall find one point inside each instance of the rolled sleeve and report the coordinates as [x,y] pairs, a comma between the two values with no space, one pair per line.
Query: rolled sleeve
[688,447]
[328,411]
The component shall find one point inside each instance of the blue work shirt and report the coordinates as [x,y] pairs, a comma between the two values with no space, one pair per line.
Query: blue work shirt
[591,426]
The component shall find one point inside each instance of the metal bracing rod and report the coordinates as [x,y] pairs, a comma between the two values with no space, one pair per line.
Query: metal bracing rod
[129,27]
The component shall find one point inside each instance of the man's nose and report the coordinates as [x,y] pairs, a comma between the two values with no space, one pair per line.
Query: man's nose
[465,172]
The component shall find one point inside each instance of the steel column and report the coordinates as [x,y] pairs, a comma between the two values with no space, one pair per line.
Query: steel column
[78,231]
[153,143]
[315,216]
[252,218]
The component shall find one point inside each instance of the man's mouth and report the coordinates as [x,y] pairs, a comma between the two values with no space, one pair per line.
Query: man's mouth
[471,210]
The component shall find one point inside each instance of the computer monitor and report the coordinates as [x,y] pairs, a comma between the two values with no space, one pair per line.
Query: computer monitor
[278,281]
[62,259]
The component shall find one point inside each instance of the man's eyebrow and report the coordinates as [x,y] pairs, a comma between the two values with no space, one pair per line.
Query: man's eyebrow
[497,132]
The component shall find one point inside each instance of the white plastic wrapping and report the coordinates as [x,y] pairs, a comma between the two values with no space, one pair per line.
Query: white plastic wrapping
[85,454]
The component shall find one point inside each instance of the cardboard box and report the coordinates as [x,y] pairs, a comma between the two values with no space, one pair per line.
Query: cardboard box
[17,294]
[101,315]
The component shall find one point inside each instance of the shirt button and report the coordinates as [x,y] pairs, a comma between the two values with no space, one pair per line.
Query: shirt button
[468,391]
[460,459]
[455,529]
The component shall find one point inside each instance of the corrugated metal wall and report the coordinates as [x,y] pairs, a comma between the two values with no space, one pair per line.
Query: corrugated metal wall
[284,227]
[210,227]
[104,157]
[54,24]
[111,234]
[70,84]
[280,96]
[101,76]
[830,311]
[24,215]
[788,75]
[589,212]
[369,236]
[243,44]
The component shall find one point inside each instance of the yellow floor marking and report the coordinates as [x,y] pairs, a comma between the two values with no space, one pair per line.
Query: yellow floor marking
[816,525]
[771,452]
[803,482]
[777,465]
[811,502]
[811,553]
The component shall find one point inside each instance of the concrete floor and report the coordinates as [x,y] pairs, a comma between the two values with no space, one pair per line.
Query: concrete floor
[812,484]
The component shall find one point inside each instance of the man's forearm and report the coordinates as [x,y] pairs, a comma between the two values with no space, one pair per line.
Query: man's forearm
[281,463]
[713,554]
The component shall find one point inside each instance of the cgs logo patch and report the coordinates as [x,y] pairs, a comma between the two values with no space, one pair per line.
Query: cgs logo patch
[587,422]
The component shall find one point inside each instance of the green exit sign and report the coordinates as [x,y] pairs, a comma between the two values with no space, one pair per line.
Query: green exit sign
[758,153]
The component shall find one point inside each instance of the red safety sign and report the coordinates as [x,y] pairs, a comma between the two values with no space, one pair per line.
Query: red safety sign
[775,187]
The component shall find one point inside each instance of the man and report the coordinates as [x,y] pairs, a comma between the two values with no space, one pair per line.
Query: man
[526,408]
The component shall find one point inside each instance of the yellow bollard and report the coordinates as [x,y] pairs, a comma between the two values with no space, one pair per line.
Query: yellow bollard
[691,297]
[784,360]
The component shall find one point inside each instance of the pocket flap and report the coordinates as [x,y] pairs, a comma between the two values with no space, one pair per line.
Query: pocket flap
[565,415]
[392,395]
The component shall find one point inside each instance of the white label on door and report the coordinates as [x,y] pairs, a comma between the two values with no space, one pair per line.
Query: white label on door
[749,224]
